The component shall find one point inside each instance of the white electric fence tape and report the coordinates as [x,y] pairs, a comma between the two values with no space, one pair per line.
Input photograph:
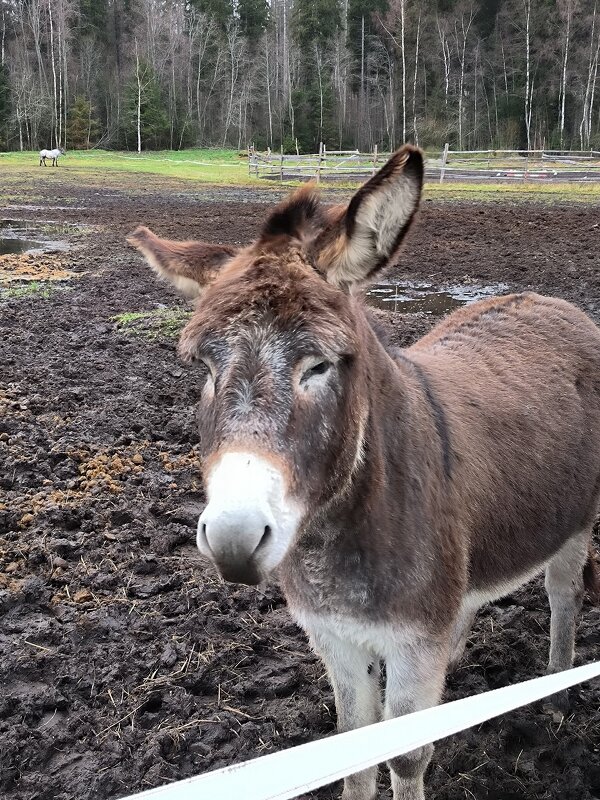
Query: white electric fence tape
[289,773]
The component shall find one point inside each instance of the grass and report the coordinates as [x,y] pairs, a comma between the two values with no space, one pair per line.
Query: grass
[514,192]
[162,322]
[221,167]
[33,289]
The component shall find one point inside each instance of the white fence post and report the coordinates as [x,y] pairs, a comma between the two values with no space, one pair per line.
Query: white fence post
[444,159]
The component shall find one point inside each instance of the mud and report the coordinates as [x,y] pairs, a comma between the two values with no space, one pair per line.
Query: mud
[125,663]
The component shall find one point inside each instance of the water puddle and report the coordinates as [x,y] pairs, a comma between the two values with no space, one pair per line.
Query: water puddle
[8,245]
[23,236]
[28,207]
[409,297]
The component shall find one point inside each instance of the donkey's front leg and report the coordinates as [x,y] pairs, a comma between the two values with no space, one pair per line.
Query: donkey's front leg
[415,680]
[354,675]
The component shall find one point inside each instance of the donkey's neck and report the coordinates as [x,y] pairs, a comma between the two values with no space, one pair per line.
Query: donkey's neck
[366,552]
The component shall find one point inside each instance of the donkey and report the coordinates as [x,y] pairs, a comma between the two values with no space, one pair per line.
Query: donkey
[53,154]
[395,491]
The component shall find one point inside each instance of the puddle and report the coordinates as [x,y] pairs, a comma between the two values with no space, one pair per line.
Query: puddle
[409,297]
[18,246]
[23,236]
[13,207]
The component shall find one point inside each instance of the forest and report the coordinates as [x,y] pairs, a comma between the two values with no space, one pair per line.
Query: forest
[170,74]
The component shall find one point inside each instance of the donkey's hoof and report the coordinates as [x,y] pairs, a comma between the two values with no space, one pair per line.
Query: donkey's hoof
[557,705]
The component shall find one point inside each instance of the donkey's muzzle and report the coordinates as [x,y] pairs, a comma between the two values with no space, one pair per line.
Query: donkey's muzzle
[250,519]
[232,537]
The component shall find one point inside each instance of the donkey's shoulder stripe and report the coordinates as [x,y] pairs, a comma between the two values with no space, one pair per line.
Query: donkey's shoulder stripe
[289,773]
[439,417]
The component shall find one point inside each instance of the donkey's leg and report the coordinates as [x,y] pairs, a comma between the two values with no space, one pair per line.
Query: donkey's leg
[354,675]
[564,585]
[462,628]
[415,680]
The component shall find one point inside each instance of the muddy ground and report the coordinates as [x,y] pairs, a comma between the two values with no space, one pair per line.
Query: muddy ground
[124,663]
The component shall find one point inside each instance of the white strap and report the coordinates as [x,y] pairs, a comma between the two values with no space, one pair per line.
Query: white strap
[289,773]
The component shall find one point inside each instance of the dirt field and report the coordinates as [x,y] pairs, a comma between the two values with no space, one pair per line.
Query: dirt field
[125,664]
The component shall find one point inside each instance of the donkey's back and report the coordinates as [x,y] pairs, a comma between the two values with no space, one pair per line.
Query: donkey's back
[518,382]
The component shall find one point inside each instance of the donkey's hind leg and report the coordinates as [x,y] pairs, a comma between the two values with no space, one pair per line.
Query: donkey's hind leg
[565,588]
[564,585]
[462,628]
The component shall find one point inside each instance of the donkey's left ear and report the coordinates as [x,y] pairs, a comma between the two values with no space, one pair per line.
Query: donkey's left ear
[189,266]
[368,235]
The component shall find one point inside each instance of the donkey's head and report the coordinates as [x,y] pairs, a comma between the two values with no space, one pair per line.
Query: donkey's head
[280,340]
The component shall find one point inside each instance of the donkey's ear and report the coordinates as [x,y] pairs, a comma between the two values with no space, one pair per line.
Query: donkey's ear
[368,235]
[189,266]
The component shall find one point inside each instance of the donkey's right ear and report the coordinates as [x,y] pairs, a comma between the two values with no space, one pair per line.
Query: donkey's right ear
[189,266]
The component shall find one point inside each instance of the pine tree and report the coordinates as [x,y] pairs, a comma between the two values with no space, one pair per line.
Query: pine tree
[315,24]
[82,126]
[219,10]
[254,18]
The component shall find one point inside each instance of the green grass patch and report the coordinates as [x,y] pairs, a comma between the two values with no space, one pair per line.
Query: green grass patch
[148,171]
[514,192]
[160,323]
[207,165]
[38,289]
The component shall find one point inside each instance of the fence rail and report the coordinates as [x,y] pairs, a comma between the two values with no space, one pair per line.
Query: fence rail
[456,165]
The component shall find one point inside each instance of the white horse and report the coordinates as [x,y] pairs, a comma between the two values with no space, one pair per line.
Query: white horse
[53,154]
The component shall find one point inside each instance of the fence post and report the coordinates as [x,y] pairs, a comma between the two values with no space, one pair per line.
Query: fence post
[319,162]
[281,167]
[375,160]
[444,160]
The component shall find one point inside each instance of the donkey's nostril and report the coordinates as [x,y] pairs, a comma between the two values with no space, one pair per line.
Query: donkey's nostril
[202,538]
[267,533]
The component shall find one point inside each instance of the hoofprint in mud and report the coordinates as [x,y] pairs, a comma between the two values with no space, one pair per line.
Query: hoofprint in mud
[396,490]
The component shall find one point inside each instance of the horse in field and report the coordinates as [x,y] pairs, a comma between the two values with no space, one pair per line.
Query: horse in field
[53,154]
[392,491]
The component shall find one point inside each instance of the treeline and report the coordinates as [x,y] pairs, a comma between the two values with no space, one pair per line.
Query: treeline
[146,74]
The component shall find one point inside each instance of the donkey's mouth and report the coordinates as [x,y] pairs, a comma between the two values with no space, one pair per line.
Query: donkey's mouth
[248,573]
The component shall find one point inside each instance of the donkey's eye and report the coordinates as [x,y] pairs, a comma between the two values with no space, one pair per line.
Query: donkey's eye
[210,377]
[320,368]
[208,365]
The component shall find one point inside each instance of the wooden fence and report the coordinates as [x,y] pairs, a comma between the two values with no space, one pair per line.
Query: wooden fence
[324,164]
[471,165]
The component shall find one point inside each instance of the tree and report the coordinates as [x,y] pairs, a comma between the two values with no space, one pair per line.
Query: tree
[82,125]
[219,10]
[168,73]
[146,120]
[4,106]
[254,18]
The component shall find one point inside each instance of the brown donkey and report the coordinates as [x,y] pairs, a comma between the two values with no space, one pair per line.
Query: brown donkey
[394,491]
